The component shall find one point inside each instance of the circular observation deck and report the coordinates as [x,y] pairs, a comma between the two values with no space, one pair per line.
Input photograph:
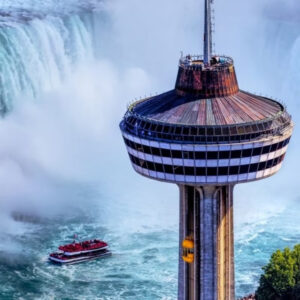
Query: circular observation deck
[206,131]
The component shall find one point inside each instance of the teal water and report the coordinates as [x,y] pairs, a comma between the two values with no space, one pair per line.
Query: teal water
[143,265]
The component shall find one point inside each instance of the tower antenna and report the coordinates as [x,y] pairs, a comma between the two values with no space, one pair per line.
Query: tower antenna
[207,32]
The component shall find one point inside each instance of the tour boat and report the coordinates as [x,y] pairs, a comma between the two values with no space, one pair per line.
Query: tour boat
[61,258]
[79,252]
[83,247]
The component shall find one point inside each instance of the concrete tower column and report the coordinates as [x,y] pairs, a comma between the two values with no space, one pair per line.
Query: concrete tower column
[206,217]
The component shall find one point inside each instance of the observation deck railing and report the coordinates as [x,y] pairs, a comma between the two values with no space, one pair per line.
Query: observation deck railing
[154,130]
[194,62]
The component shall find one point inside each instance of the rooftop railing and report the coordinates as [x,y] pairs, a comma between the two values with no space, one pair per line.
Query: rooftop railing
[194,62]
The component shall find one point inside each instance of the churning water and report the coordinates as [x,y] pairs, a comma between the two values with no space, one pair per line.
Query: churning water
[64,84]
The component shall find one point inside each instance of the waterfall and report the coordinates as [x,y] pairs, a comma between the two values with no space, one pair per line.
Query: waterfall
[38,53]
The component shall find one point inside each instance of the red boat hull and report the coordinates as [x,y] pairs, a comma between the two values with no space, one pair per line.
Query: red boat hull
[62,259]
[83,247]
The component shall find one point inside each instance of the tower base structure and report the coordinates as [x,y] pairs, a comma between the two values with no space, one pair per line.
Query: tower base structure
[206,218]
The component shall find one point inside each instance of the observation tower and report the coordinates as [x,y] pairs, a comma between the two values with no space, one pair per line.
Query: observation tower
[206,136]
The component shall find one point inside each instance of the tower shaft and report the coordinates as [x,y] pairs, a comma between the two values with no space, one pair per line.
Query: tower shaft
[206,217]
[207,33]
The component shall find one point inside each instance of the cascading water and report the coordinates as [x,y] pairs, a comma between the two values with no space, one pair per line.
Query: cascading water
[39,51]
[60,144]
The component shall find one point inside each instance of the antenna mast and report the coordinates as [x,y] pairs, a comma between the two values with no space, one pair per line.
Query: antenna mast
[207,32]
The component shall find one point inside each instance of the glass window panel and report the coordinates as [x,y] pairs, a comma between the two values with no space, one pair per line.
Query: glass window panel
[200,172]
[233,131]
[244,169]
[269,164]
[159,128]
[210,131]
[185,154]
[186,131]
[247,153]
[178,170]
[201,131]
[262,166]
[194,131]
[178,130]
[176,154]
[189,171]
[168,169]
[155,151]
[253,168]
[200,155]
[165,152]
[224,154]
[159,167]
[218,131]
[254,128]
[225,131]
[256,151]
[212,155]
[266,149]
[212,171]
[223,171]
[236,154]
[234,170]
[241,130]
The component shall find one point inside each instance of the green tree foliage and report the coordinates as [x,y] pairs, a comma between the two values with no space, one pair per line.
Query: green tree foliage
[281,277]
[296,254]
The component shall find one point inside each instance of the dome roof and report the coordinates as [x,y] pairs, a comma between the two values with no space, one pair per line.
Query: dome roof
[239,108]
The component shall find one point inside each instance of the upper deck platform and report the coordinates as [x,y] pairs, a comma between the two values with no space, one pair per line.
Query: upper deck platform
[206,106]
